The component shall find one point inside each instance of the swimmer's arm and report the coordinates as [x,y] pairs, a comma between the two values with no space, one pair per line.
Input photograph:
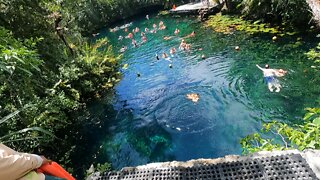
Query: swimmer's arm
[259,67]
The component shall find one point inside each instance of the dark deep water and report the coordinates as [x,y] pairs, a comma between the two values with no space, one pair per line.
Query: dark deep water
[154,121]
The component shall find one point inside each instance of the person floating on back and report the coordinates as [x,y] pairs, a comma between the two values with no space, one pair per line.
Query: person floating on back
[270,75]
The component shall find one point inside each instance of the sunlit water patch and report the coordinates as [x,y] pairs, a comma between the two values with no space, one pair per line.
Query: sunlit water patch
[156,122]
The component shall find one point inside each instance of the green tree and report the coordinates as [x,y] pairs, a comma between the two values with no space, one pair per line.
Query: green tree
[294,12]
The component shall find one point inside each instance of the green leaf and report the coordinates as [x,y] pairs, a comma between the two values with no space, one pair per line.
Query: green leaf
[27,130]
[307,116]
[317,121]
[311,144]
[11,115]
[19,59]
[26,71]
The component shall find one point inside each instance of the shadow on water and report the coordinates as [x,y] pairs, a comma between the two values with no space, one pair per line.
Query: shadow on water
[155,122]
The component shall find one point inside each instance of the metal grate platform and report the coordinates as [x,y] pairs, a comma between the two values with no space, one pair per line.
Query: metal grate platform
[290,166]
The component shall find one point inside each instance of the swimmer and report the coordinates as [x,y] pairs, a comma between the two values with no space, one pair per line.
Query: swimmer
[142,34]
[187,47]
[134,43]
[269,76]
[130,36]
[172,51]
[123,49]
[182,45]
[154,26]
[114,29]
[153,31]
[166,37]
[137,29]
[164,55]
[144,39]
[176,32]
[146,30]
[157,57]
[193,97]
[126,30]
[191,35]
[162,27]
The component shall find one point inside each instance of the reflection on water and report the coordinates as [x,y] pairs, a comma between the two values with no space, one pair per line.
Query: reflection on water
[155,120]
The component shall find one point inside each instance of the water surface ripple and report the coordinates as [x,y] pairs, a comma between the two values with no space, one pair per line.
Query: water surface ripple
[156,122]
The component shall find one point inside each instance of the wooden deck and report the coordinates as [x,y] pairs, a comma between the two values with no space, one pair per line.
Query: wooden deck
[193,8]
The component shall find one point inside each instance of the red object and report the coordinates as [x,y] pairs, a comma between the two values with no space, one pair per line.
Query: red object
[54,169]
[174,6]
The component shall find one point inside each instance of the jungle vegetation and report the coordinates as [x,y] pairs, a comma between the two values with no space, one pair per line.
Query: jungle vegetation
[279,18]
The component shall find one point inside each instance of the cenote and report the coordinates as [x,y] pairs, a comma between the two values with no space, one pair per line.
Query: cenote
[154,120]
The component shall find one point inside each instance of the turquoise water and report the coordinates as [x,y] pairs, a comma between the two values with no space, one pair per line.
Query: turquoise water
[156,122]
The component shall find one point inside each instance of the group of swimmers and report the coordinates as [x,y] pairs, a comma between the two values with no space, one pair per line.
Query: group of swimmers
[161,26]
[136,30]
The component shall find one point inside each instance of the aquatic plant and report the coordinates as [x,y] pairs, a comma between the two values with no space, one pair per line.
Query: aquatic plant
[163,13]
[314,54]
[227,24]
[159,139]
[140,144]
[149,144]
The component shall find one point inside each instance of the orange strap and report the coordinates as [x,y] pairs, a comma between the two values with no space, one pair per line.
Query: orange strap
[54,169]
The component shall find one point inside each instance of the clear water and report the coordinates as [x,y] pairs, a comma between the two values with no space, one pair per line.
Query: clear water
[155,122]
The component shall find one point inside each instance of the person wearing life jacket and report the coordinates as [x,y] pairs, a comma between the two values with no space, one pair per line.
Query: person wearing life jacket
[20,166]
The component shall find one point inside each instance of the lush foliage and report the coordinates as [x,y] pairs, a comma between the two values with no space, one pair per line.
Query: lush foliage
[314,54]
[95,14]
[49,73]
[297,136]
[295,12]
[303,136]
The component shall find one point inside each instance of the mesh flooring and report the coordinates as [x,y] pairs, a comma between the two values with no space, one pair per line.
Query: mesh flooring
[291,166]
